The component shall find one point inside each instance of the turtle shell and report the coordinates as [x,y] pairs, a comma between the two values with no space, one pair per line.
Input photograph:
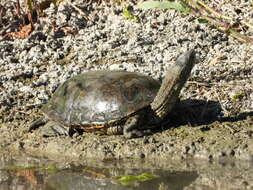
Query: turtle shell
[100,97]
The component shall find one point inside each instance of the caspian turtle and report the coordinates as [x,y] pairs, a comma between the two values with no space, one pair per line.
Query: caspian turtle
[116,102]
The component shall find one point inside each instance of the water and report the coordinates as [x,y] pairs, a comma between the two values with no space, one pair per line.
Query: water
[22,172]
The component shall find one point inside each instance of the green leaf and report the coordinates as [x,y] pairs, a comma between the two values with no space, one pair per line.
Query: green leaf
[127,14]
[202,20]
[164,5]
[145,176]
[129,180]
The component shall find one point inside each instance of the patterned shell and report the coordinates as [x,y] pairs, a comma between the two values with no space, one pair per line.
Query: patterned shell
[100,97]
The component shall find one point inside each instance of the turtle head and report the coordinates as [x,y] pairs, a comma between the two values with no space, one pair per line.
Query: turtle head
[175,78]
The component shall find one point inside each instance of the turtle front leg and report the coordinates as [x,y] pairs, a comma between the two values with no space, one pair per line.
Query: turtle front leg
[131,127]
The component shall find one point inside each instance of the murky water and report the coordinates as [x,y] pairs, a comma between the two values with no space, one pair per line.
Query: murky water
[25,172]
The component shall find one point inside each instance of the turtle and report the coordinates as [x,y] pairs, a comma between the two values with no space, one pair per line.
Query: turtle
[115,102]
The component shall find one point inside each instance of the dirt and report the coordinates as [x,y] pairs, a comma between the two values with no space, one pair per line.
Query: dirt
[212,141]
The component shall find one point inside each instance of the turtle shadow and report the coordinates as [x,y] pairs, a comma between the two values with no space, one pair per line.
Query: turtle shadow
[240,117]
[198,112]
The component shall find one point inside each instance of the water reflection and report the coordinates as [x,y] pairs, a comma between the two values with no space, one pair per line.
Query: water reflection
[84,180]
[24,173]
[22,178]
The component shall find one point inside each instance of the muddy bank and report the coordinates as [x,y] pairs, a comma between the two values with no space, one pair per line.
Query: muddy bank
[214,121]
[219,140]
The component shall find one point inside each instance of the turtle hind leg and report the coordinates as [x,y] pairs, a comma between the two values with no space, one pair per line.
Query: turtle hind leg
[37,123]
[52,129]
[131,127]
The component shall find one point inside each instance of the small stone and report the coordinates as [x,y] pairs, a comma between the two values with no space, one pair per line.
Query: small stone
[142,155]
